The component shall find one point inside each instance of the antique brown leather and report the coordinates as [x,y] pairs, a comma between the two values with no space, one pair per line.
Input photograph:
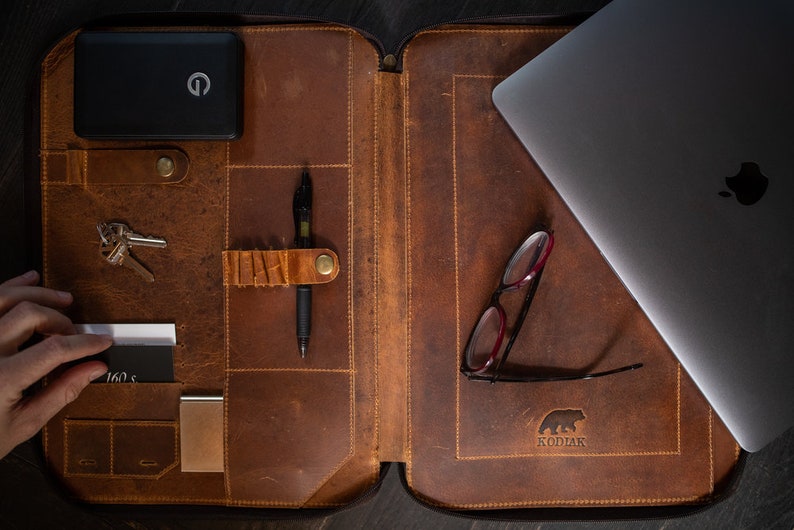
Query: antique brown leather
[269,268]
[116,166]
[422,192]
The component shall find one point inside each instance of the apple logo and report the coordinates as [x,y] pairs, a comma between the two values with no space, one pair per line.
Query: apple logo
[749,184]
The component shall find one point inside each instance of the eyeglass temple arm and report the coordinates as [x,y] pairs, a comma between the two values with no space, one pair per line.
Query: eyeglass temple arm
[549,379]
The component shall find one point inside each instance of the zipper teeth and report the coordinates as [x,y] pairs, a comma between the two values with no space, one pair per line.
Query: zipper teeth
[527,18]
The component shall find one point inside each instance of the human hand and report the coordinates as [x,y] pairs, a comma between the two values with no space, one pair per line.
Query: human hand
[26,309]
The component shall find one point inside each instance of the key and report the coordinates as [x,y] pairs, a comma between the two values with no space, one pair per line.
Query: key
[116,239]
[105,233]
[132,239]
[117,253]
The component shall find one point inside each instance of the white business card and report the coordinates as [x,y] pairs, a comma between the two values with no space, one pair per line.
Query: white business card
[134,334]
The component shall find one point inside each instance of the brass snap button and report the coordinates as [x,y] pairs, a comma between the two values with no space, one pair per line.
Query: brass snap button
[165,166]
[324,264]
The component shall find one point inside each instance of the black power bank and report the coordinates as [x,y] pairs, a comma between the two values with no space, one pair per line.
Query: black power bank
[157,85]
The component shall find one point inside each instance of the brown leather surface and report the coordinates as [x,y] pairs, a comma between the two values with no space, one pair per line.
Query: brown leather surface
[115,166]
[422,193]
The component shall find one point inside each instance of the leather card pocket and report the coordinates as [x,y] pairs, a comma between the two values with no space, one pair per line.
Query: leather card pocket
[121,449]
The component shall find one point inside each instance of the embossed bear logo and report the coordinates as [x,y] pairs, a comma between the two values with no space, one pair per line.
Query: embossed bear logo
[565,420]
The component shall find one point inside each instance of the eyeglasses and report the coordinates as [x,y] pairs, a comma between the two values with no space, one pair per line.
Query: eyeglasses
[525,267]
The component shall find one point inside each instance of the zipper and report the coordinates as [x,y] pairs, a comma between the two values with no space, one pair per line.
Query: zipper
[393,62]
[390,61]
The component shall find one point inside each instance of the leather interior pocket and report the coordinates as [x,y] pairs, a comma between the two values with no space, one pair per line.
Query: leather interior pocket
[124,449]
[120,431]
[294,429]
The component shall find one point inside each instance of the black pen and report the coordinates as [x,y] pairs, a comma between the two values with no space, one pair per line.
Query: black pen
[302,212]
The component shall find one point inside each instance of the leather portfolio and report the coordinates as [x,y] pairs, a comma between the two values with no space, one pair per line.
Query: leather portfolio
[421,193]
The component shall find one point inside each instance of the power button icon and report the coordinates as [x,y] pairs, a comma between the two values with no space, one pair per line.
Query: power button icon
[198,84]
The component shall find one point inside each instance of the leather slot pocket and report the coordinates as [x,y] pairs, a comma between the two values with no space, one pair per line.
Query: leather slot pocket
[136,436]
[122,449]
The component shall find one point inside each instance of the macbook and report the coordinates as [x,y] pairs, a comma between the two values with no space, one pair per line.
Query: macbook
[668,129]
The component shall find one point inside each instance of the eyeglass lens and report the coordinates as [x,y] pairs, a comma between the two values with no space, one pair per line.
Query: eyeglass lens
[485,339]
[526,260]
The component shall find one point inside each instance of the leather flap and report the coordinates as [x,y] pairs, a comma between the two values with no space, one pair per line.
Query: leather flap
[115,166]
[269,268]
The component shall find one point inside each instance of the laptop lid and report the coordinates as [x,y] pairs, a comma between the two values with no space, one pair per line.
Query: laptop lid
[668,129]
[158,85]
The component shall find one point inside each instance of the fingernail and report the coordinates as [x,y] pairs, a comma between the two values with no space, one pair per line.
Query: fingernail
[30,275]
[63,295]
[96,374]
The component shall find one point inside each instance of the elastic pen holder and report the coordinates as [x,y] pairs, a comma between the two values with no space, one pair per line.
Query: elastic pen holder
[269,268]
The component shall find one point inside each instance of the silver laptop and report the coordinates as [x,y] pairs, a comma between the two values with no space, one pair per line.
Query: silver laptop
[668,129]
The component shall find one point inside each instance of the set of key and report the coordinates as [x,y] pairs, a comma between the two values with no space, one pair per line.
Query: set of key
[116,239]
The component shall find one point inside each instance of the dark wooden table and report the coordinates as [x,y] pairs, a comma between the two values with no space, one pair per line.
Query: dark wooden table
[763,497]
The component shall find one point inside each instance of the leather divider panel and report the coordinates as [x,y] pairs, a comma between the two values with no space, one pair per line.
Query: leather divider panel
[635,438]
[301,432]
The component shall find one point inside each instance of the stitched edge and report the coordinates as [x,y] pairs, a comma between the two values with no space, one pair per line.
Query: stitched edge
[458,455]
[350,251]
[226,342]
[711,451]
[456,242]
[288,166]
[376,95]
[408,269]
[275,370]
[615,502]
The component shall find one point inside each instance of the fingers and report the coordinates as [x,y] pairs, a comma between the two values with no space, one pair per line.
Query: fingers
[35,412]
[27,318]
[29,278]
[26,309]
[20,371]
[24,288]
